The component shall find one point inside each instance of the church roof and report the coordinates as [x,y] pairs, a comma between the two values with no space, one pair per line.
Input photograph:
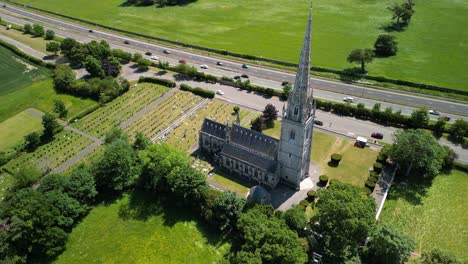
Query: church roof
[242,154]
[254,141]
[214,128]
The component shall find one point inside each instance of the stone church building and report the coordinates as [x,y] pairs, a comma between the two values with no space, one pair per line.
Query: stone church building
[263,159]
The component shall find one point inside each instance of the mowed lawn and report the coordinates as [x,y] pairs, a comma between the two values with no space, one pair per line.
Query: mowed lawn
[439,220]
[355,164]
[433,49]
[137,229]
[14,129]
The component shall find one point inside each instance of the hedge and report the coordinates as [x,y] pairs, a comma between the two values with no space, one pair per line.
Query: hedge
[378,167]
[164,82]
[26,56]
[370,184]
[83,113]
[186,87]
[203,92]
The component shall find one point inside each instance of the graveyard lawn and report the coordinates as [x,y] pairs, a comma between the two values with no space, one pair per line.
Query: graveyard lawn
[139,229]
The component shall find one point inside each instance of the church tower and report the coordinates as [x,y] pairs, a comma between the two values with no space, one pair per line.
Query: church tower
[298,122]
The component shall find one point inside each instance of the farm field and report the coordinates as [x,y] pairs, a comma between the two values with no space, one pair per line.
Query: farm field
[160,117]
[65,145]
[119,110]
[15,128]
[16,72]
[436,219]
[139,229]
[432,50]
[353,167]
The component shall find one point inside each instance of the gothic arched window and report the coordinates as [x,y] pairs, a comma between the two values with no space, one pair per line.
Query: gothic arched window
[293,135]
[296,110]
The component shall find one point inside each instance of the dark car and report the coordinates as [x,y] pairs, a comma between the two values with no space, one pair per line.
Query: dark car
[244,76]
[237,77]
[182,61]
[166,52]
[283,83]
[148,53]
[318,122]
[377,135]
[245,66]
[127,42]
[219,63]
[90,31]
[446,118]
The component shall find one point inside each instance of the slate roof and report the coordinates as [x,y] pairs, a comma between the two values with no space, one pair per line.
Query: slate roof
[214,128]
[254,141]
[242,154]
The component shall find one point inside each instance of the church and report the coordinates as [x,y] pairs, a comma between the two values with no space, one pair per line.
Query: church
[261,158]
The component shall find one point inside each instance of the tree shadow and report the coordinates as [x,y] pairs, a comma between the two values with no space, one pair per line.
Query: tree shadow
[412,190]
[393,27]
[350,75]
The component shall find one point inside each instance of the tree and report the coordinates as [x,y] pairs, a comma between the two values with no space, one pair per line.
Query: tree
[258,124]
[59,107]
[32,141]
[49,34]
[53,47]
[51,127]
[141,141]
[111,67]
[116,170]
[114,134]
[78,54]
[227,208]
[345,217]
[295,218]
[52,182]
[438,257]
[458,131]
[187,184]
[361,56]
[287,90]
[81,185]
[402,12]
[386,45]
[124,56]
[94,67]
[38,30]
[388,246]
[25,176]
[439,127]
[270,113]
[67,45]
[164,65]
[27,28]
[419,118]
[64,77]
[143,64]
[264,234]
[417,152]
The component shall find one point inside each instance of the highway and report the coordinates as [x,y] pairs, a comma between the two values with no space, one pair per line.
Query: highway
[258,75]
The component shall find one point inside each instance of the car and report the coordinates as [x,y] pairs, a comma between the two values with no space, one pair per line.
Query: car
[204,66]
[148,53]
[166,52]
[245,66]
[244,76]
[434,112]
[318,122]
[219,63]
[377,135]
[90,31]
[237,77]
[348,99]
[127,42]
[446,118]
[154,58]
[283,83]
[182,61]
[219,92]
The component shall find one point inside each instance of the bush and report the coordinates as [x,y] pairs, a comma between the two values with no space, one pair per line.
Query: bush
[370,184]
[378,167]
[335,159]
[236,109]
[367,190]
[311,196]
[203,92]
[323,179]
[164,82]
[304,203]
[186,87]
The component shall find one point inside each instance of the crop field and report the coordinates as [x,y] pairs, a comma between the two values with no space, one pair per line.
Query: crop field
[160,117]
[65,145]
[139,229]
[14,129]
[436,217]
[186,134]
[16,72]
[120,109]
[433,49]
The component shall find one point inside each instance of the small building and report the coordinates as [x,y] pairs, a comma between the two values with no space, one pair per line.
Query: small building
[361,142]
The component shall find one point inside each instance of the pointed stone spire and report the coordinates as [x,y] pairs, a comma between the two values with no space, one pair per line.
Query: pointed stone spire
[299,101]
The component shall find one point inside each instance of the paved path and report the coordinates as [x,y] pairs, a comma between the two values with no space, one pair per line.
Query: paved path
[382,188]
[23,47]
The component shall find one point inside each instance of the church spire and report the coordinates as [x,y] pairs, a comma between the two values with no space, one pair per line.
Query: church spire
[299,102]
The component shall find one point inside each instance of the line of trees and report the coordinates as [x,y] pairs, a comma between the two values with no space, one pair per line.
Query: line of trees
[158,3]
[35,139]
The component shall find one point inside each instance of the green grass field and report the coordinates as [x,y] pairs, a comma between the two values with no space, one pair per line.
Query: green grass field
[137,229]
[38,44]
[438,220]
[433,49]
[15,128]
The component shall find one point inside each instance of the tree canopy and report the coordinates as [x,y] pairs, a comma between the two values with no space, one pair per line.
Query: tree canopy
[386,45]
[361,56]
[227,208]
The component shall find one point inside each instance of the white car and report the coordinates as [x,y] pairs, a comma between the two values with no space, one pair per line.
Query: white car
[434,112]
[154,58]
[348,99]
[219,92]
[204,66]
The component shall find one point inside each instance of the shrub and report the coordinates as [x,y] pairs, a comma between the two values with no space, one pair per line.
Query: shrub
[236,109]
[304,203]
[378,167]
[335,159]
[323,179]
[186,87]
[370,185]
[373,179]
[164,82]
[203,92]
[367,190]
[311,195]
